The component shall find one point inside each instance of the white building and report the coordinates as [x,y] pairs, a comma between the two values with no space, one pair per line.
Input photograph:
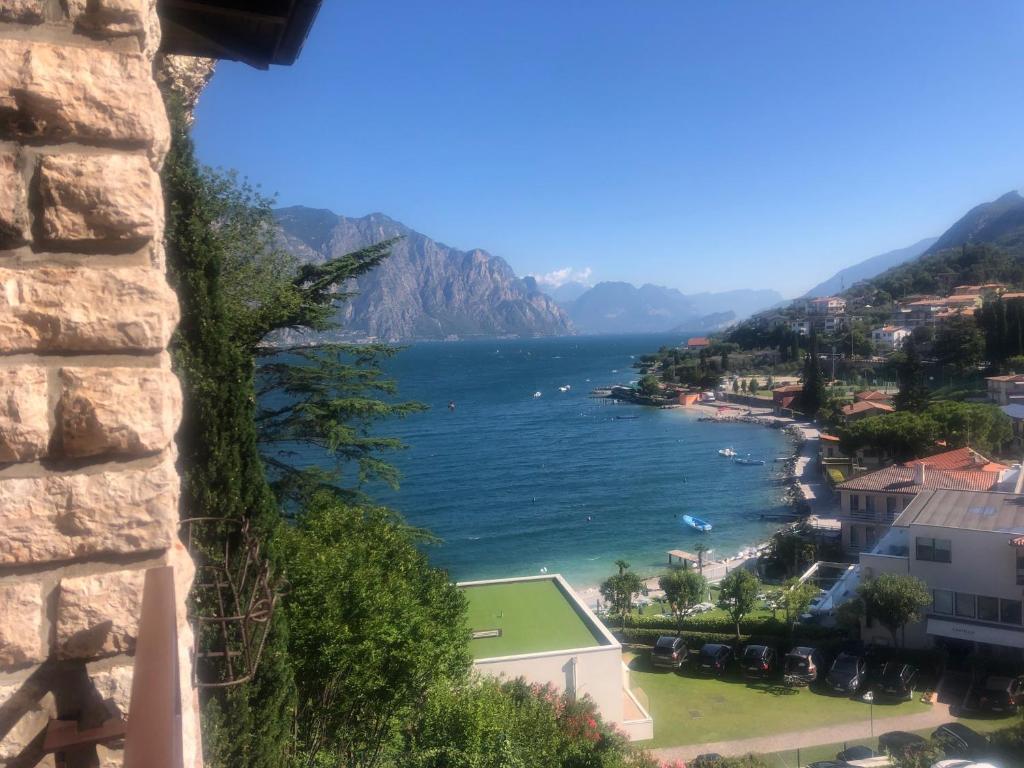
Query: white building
[537,628]
[889,337]
[968,547]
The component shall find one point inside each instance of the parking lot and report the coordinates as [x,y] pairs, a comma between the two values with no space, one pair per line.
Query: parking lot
[696,710]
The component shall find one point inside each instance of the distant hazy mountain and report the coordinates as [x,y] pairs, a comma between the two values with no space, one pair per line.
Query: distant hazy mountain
[616,307]
[568,292]
[1000,222]
[424,290]
[868,268]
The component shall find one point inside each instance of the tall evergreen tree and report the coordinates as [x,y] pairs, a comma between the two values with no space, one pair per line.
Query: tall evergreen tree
[813,395]
[913,389]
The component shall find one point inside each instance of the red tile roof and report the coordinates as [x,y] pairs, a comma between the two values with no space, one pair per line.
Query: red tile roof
[960,459]
[872,394]
[866,405]
[697,341]
[788,388]
[901,479]
[830,438]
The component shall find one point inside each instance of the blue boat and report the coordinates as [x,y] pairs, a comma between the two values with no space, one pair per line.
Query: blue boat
[696,523]
[749,462]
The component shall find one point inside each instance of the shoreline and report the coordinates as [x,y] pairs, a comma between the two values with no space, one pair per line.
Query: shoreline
[794,496]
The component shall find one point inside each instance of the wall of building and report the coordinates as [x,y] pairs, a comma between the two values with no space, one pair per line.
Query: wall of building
[88,403]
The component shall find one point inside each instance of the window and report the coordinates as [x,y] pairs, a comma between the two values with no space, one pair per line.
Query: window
[854,535]
[1020,567]
[942,601]
[854,502]
[869,503]
[934,550]
[965,605]
[869,537]
[988,608]
[1010,611]
[892,505]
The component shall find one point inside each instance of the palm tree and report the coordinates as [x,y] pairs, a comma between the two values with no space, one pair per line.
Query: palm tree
[622,565]
[701,549]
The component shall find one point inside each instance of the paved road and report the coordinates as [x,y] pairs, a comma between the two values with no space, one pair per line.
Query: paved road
[832,734]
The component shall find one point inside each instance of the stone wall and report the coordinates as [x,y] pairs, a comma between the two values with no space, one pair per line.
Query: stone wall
[88,403]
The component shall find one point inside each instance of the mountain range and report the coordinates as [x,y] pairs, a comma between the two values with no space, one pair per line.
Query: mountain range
[424,289]
[868,268]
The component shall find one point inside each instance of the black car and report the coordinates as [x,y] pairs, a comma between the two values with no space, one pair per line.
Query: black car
[669,652]
[803,666]
[1001,695]
[900,743]
[957,740]
[897,680]
[759,661]
[848,673]
[856,752]
[706,760]
[713,659]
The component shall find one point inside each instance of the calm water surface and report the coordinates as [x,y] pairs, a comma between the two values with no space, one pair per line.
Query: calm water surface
[514,483]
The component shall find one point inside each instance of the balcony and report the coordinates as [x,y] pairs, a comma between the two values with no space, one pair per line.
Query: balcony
[890,555]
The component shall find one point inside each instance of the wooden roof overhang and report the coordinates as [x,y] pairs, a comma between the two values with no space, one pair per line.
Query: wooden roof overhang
[256,32]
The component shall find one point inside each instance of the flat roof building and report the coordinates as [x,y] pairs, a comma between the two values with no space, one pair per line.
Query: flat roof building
[537,628]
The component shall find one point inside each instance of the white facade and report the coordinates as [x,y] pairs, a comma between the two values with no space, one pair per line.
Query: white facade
[975,573]
[596,671]
[889,337]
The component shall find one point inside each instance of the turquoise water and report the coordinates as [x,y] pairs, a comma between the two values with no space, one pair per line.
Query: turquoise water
[514,483]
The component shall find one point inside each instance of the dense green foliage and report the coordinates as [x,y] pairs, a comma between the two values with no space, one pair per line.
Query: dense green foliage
[620,589]
[907,435]
[738,595]
[812,398]
[1002,322]
[364,607]
[913,392]
[894,600]
[683,588]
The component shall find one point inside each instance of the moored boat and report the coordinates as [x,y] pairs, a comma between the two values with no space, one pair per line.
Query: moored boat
[697,524]
[749,462]
[726,452]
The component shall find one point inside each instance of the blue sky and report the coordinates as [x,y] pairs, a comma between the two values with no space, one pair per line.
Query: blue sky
[700,145]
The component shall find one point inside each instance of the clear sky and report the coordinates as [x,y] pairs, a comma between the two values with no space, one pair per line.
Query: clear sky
[701,145]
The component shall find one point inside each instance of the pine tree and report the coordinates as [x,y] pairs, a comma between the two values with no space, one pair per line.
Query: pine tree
[913,390]
[813,395]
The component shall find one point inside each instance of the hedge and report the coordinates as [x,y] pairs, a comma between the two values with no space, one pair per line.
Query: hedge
[763,625]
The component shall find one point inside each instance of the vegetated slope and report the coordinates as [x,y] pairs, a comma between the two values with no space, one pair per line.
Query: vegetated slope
[618,307]
[985,245]
[864,270]
[425,289]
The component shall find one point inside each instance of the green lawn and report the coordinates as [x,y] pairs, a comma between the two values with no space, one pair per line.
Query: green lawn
[691,710]
[533,616]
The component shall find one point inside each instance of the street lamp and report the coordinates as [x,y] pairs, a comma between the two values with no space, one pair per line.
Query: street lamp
[869,697]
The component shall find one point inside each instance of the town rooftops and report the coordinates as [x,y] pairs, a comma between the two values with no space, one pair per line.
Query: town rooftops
[863,406]
[872,395]
[510,617]
[970,510]
[959,459]
[698,341]
[788,388]
[904,479]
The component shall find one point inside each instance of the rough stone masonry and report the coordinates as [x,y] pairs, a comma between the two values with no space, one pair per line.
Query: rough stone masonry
[88,403]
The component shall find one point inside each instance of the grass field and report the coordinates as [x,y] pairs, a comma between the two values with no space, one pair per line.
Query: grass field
[533,616]
[691,710]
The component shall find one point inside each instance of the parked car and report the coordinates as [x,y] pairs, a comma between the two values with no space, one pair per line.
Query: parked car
[900,743]
[897,680]
[957,740]
[803,666]
[848,674]
[856,752]
[669,652]
[759,661]
[705,760]
[1002,695]
[713,659]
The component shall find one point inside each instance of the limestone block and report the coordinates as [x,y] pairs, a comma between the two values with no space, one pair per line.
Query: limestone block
[117,410]
[13,203]
[30,713]
[63,517]
[24,430]
[99,615]
[21,616]
[110,18]
[22,11]
[114,685]
[79,309]
[68,93]
[98,198]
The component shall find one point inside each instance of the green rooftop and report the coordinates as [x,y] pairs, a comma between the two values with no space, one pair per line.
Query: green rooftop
[533,616]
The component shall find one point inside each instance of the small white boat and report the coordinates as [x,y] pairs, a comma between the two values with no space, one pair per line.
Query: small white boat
[537,393]
[697,524]
[726,452]
[749,462]
[566,388]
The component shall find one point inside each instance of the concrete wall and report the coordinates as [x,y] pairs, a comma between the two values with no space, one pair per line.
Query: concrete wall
[88,403]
